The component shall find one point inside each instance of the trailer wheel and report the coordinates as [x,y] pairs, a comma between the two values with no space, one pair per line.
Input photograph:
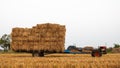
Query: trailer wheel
[96,53]
[35,54]
[41,54]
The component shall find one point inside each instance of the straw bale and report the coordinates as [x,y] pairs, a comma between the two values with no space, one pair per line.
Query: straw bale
[116,50]
[47,37]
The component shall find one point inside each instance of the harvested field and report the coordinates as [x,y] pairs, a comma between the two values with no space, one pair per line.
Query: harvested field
[46,37]
[59,61]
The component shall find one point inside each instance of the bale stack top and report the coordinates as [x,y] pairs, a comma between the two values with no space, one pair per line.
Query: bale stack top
[46,37]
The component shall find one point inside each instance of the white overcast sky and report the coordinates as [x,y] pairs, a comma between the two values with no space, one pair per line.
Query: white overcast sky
[88,22]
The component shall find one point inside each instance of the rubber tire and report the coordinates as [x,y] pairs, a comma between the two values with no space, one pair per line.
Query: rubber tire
[41,54]
[96,53]
[35,54]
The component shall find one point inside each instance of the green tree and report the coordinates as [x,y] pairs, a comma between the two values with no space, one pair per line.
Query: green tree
[5,41]
[116,45]
[109,50]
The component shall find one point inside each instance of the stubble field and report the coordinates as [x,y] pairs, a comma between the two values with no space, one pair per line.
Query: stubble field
[23,60]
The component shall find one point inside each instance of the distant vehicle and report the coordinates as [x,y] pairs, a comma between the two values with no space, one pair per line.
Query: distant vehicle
[98,52]
[87,50]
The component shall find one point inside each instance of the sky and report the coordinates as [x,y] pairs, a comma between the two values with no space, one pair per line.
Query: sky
[88,22]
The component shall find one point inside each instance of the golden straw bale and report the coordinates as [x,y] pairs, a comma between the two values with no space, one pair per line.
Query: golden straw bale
[47,37]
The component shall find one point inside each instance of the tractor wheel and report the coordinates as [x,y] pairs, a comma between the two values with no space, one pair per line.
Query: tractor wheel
[96,53]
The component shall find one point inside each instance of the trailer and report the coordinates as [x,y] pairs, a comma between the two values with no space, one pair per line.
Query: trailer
[42,39]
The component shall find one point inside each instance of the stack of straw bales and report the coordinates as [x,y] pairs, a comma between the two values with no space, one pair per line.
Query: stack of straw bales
[47,37]
[116,50]
[87,49]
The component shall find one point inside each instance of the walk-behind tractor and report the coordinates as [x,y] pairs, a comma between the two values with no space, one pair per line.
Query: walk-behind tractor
[87,50]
